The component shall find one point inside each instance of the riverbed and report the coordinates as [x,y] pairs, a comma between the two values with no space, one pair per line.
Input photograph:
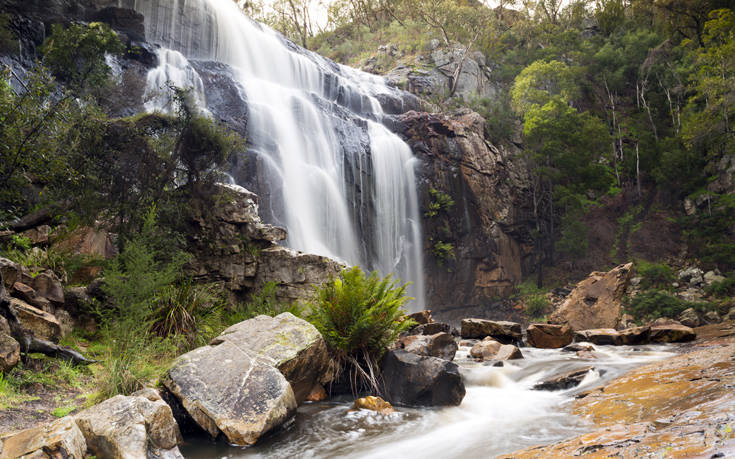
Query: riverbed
[500,413]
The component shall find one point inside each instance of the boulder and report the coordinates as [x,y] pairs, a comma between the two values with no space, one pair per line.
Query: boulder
[372,403]
[692,275]
[27,294]
[136,426]
[233,386]
[440,345]
[549,336]
[730,315]
[664,321]
[489,349]
[430,329]
[416,380]
[596,302]
[710,277]
[317,394]
[485,349]
[599,336]
[9,352]
[60,439]
[626,321]
[503,331]
[291,345]
[565,380]
[578,347]
[48,286]
[635,335]
[88,241]
[35,322]
[689,318]
[421,317]
[672,333]
[38,235]
[712,317]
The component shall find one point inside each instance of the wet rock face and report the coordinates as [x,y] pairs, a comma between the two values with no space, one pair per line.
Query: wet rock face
[488,224]
[415,380]
[549,336]
[596,302]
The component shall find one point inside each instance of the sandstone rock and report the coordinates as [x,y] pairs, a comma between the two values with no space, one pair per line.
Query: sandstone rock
[626,321]
[12,272]
[566,380]
[485,349]
[136,426]
[577,347]
[38,235]
[672,333]
[489,349]
[635,335]
[48,286]
[60,439]
[27,294]
[712,317]
[599,336]
[291,345]
[416,380]
[549,336]
[664,321]
[430,329]
[9,352]
[503,331]
[730,315]
[440,345]
[35,322]
[316,394]
[88,241]
[4,326]
[689,318]
[233,387]
[596,302]
[421,317]
[373,403]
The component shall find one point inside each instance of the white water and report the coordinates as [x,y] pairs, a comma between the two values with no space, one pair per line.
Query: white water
[500,413]
[322,176]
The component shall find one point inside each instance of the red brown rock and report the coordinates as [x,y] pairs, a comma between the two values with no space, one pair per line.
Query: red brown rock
[549,336]
[596,302]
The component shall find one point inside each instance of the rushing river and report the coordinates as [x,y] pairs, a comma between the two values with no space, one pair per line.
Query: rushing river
[499,414]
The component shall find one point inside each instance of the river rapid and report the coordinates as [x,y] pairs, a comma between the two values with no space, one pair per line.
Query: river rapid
[501,413]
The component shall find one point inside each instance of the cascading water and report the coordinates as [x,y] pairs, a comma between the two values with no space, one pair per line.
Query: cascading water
[338,196]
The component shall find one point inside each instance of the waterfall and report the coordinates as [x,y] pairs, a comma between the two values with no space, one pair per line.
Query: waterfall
[341,183]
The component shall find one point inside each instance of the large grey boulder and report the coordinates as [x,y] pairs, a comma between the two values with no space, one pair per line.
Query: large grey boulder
[416,380]
[292,345]
[131,427]
[249,379]
[60,439]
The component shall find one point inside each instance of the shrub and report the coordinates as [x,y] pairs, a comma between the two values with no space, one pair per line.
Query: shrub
[653,304]
[655,275]
[359,316]
[443,251]
[723,288]
[264,302]
[440,202]
[536,305]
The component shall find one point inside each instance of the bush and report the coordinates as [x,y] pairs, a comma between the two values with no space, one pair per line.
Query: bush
[359,316]
[723,288]
[537,305]
[652,304]
[655,275]
[264,302]
[443,251]
[440,202]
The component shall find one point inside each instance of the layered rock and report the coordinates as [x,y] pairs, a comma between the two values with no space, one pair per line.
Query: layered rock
[234,247]
[35,322]
[599,336]
[248,380]
[9,352]
[596,302]
[487,225]
[416,380]
[549,336]
[136,426]
[671,333]
[440,345]
[60,439]
[503,331]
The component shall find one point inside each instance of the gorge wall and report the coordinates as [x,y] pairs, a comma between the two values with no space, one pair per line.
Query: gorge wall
[326,146]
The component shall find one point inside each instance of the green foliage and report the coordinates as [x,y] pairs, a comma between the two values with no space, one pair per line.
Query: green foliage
[652,304]
[440,202]
[536,305]
[76,54]
[722,289]
[655,275]
[133,282]
[359,315]
[8,42]
[264,302]
[574,237]
[443,252]
[543,81]
[20,242]
[62,411]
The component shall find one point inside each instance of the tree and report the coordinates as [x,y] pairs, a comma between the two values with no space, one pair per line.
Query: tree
[538,83]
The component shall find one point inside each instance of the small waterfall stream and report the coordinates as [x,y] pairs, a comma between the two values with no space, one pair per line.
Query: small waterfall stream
[500,413]
[340,182]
